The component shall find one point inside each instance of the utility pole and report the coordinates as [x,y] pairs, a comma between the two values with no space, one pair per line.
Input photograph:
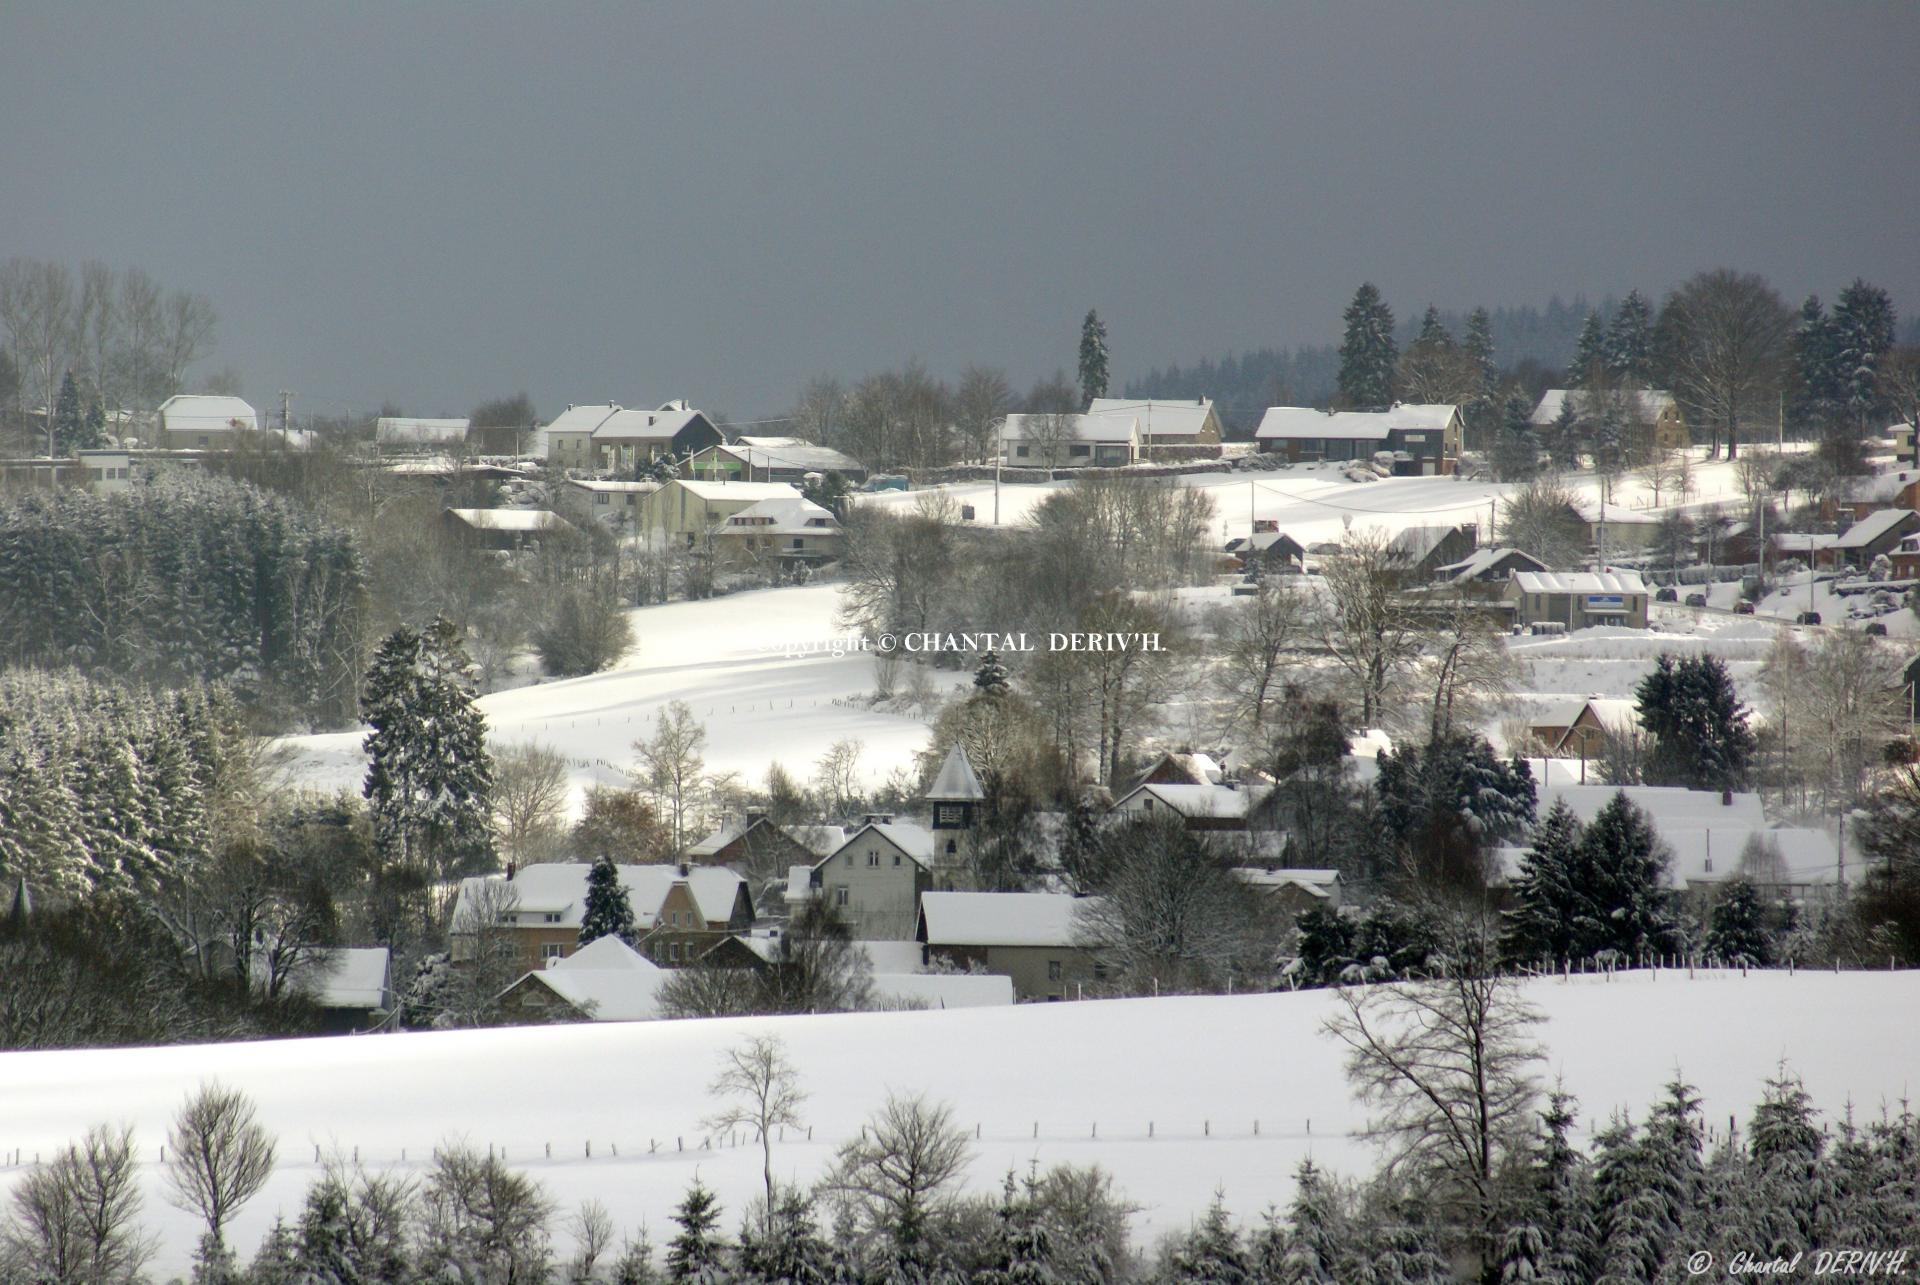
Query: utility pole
[286,407]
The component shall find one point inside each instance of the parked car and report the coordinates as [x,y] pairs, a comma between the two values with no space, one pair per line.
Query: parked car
[1696,600]
[1876,629]
[1668,594]
[1743,608]
[1807,618]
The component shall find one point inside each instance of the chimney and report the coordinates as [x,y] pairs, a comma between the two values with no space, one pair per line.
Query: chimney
[511,867]
[753,817]
[1726,798]
[685,870]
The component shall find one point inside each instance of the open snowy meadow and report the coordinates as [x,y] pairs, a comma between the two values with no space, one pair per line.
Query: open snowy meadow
[1036,1082]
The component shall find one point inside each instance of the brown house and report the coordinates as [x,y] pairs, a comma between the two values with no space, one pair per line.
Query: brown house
[679,912]
[1217,807]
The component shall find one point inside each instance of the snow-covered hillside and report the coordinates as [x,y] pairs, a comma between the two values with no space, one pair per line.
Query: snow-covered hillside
[752,667]
[1199,1071]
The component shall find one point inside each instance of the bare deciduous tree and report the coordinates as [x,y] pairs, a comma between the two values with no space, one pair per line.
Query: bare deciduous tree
[37,308]
[762,1091]
[1363,624]
[1540,519]
[218,1156]
[1256,635]
[477,1215]
[673,769]
[979,404]
[592,1229]
[77,1217]
[1726,336]
[1446,1065]
[1465,664]
[906,1158]
[529,801]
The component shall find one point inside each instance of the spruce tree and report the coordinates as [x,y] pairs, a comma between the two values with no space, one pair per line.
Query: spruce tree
[1093,358]
[1478,344]
[1698,723]
[1211,1253]
[697,1252]
[991,677]
[1737,925]
[1628,350]
[1434,334]
[428,771]
[1517,457]
[1312,1242]
[1589,353]
[609,911]
[635,1265]
[1624,870]
[1368,353]
[94,428]
[1549,893]
[1814,397]
[1863,335]
[787,1250]
[69,418]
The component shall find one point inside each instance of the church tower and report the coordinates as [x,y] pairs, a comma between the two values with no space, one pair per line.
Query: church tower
[955,798]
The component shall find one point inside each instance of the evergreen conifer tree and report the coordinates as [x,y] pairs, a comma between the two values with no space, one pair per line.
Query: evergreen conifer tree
[1093,358]
[1863,334]
[991,677]
[609,911]
[1589,353]
[697,1251]
[1549,893]
[1433,332]
[1311,1250]
[1737,926]
[635,1265]
[1211,1253]
[1815,397]
[1698,722]
[1624,869]
[1628,351]
[69,418]
[1517,457]
[428,771]
[787,1250]
[1478,343]
[1368,352]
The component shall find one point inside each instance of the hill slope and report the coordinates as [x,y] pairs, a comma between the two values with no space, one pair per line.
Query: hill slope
[1202,1070]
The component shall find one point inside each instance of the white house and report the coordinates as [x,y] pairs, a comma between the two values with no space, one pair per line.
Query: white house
[204,422]
[1069,441]
[1164,423]
[784,529]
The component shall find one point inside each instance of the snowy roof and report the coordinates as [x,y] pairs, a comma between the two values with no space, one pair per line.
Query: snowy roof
[1714,855]
[1197,800]
[1157,418]
[617,488]
[1648,404]
[607,952]
[1315,883]
[955,781]
[391,430]
[1590,509]
[510,519]
[799,883]
[999,918]
[1352,425]
[561,888]
[583,419]
[787,515]
[1565,711]
[1418,542]
[1483,560]
[1795,542]
[746,492]
[350,977]
[944,990]
[1670,807]
[1074,428]
[790,452]
[643,425]
[1881,487]
[606,994]
[1621,582]
[184,412]
[892,956]
[1872,527]
[914,840]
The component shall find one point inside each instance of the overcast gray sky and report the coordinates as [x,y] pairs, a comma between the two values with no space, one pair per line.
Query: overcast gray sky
[437,203]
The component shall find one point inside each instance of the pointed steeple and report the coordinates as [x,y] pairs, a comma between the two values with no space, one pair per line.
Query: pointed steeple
[956,782]
[20,907]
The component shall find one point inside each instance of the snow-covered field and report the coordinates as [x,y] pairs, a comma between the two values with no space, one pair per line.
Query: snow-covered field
[752,667]
[1611,661]
[1200,1070]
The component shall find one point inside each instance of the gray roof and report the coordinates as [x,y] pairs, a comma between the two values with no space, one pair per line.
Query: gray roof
[956,782]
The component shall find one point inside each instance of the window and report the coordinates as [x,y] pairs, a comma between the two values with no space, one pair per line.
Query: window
[1053,970]
[553,916]
[1099,972]
[873,858]
[799,543]
[896,859]
[1079,452]
[950,814]
[1020,451]
[601,497]
[952,847]
[553,950]
[840,895]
